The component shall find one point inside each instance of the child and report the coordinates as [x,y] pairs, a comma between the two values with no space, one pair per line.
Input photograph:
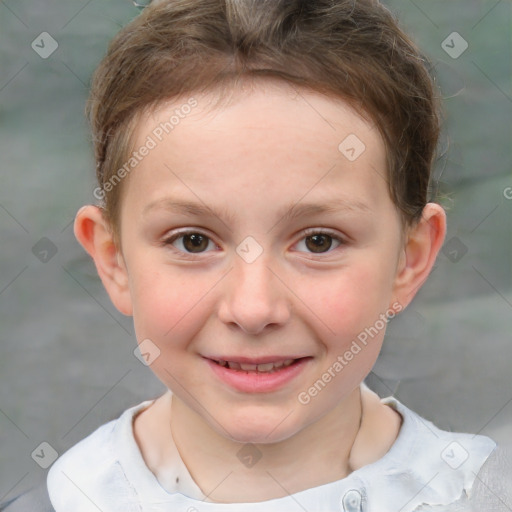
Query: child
[263,168]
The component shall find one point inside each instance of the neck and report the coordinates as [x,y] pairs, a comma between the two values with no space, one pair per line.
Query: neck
[283,467]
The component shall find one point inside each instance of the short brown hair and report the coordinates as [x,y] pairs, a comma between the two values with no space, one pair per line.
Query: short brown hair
[350,49]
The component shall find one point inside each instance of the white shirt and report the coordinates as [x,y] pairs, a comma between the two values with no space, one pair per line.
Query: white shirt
[425,468]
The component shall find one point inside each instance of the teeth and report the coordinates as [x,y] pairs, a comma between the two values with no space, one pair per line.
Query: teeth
[264,368]
[250,367]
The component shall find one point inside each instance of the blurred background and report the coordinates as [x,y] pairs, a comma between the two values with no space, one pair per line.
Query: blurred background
[67,360]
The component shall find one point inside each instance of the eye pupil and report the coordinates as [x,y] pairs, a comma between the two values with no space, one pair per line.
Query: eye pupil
[197,241]
[319,244]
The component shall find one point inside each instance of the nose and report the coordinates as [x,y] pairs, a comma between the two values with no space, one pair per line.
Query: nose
[254,298]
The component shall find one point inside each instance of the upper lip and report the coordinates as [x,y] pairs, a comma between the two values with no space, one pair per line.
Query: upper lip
[253,360]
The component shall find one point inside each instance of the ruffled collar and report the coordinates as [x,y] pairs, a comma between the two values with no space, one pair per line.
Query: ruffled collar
[425,465]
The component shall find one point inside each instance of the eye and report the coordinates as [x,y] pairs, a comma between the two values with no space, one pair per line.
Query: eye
[191,242]
[194,242]
[319,241]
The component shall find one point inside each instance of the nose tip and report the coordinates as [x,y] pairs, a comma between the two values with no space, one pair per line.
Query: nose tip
[253,299]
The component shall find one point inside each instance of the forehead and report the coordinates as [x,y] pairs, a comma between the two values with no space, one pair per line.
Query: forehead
[279,141]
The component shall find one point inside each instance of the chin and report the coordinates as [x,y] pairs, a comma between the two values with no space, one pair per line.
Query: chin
[254,436]
[256,428]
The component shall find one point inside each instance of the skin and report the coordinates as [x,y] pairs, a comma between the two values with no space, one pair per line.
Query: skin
[271,147]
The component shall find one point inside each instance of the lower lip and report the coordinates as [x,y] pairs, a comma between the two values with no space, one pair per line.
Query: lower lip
[258,382]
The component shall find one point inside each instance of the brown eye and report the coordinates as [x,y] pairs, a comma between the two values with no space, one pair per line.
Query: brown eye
[319,243]
[189,242]
[195,242]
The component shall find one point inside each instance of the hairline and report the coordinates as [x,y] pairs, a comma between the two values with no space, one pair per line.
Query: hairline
[224,97]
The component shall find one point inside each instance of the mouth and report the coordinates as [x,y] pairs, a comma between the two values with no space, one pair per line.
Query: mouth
[262,375]
[265,367]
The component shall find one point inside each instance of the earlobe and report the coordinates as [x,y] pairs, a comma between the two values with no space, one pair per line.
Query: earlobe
[94,234]
[424,240]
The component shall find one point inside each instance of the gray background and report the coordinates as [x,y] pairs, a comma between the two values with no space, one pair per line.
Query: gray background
[66,355]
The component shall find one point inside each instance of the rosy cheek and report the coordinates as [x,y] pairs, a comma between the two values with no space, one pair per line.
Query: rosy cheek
[155,305]
[168,308]
[343,298]
[349,307]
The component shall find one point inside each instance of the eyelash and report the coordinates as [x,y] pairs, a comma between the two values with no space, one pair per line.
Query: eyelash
[309,232]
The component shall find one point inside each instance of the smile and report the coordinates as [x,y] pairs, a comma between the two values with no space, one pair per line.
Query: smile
[260,368]
[257,375]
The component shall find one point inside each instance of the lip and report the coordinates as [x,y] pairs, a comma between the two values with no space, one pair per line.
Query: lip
[253,360]
[257,382]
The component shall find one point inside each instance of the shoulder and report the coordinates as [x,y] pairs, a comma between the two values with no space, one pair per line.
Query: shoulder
[454,449]
[431,466]
[83,470]
[88,472]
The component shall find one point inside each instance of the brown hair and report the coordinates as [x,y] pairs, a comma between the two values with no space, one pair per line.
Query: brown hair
[350,49]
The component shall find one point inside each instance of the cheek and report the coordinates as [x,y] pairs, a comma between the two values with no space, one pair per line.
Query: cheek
[350,300]
[167,305]
[352,304]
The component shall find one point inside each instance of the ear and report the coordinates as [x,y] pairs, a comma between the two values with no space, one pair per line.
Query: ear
[94,234]
[422,244]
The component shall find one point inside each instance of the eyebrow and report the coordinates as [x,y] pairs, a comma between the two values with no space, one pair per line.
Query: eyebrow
[287,213]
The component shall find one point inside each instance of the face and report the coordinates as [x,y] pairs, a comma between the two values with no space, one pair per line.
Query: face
[251,237]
